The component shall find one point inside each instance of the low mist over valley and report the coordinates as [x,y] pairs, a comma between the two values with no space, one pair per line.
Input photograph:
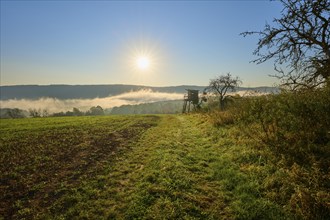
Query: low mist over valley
[53,104]
[62,98]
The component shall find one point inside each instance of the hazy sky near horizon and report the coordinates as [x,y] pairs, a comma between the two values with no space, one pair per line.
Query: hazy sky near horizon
[99,42]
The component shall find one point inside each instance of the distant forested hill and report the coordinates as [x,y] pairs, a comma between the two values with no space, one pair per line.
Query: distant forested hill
[79,91]
[92,91]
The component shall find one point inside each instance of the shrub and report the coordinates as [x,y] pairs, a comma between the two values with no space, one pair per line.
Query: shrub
[229,115]
[293,130]
[295,127]
[219,118]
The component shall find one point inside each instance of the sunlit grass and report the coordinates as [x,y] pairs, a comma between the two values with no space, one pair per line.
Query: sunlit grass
[145,167]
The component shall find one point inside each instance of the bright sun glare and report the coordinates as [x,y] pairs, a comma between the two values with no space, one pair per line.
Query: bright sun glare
[143,63]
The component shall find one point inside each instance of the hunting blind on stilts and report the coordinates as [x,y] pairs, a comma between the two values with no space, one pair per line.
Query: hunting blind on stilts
[190,98]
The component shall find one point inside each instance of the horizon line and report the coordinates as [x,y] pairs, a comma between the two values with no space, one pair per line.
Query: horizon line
[121,84]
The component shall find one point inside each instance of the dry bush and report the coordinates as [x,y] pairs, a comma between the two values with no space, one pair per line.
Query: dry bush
[220,118]
[295,127]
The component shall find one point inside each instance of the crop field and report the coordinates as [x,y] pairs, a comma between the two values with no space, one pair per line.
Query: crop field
[131,167]
[45,162]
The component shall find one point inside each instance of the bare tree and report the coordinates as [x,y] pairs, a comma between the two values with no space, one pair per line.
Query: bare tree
[299,41]
[35,113]
[221,85]
[77,112]
[45,113]
[98,110]
[15,113]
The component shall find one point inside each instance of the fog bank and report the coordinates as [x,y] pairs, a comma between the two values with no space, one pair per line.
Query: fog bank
[58,105]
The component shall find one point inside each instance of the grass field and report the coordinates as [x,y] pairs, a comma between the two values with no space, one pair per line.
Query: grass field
[132,167]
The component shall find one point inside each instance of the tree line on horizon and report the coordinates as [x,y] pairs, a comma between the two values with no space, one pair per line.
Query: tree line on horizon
[39,113]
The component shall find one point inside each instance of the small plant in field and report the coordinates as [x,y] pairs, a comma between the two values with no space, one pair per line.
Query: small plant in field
[220,118]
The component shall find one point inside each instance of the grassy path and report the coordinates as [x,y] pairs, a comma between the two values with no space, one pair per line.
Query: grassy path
[182,170]
[172,176]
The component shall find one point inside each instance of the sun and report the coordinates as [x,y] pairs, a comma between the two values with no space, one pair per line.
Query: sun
[142,58]
[143,62]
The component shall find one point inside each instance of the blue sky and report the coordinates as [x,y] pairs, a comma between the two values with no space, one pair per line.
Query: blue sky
[98,42]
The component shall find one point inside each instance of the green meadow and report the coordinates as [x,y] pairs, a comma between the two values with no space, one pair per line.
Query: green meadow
[128,167]
[137,167]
